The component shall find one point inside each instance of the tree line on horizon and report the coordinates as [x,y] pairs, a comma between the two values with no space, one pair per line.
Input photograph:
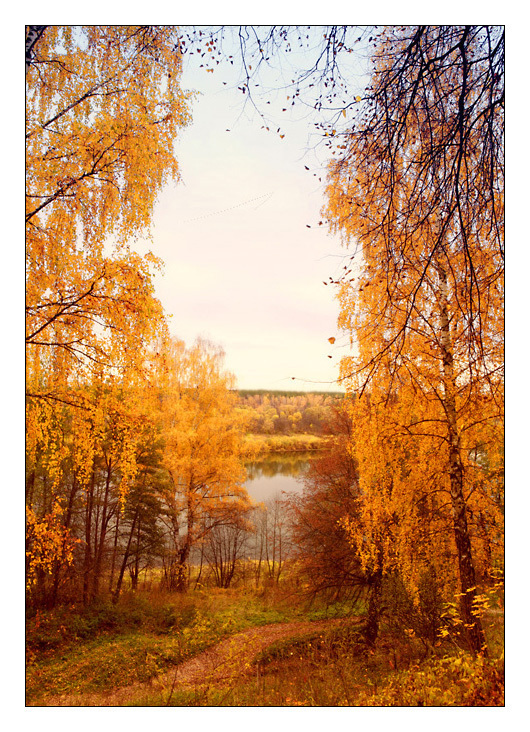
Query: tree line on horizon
[288,412]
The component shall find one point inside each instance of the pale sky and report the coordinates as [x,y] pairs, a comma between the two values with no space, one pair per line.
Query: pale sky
[241,266]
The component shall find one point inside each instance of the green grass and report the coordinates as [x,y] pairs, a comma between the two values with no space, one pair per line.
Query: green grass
[335,668]
[74,651]
[101,664]
[77,651]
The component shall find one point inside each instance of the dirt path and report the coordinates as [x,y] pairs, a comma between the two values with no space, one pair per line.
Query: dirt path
[218,665]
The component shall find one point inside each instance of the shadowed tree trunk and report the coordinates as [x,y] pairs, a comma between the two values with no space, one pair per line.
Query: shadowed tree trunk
[88,561]
[100,544]
[126,556]
[114,548]
[473,626]
[374,607]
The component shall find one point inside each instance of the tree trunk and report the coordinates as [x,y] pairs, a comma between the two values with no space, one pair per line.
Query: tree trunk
[87,568]
[473,626]
[30,485]
[135,571]
[181,580]
[66,523]
[487,547]
[33,33]
[100,547]
[181,584]
[257,567]
[200,567]
[115,546]
[126,554]
[374,607]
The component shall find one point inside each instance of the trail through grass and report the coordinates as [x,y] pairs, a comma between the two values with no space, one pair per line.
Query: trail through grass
[220,648]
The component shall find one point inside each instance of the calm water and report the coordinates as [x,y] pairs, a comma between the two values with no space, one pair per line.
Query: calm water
[276,474]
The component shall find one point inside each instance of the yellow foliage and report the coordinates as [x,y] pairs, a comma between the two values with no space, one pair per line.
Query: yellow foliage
[203,437]
[47,541]
[103,108]
[462,680]
[425,319]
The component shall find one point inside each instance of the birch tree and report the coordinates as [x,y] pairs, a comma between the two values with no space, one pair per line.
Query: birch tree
[417,193]
[203,452]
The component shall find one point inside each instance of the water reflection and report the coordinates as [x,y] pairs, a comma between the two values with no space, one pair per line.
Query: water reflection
[292,464]
[276,474]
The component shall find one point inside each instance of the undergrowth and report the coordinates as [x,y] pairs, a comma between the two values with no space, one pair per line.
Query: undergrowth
[74,651]
[336,668]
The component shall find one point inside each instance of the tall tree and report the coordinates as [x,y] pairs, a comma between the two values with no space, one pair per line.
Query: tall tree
[103,107]
[321,540]
[203,451]
[417,190]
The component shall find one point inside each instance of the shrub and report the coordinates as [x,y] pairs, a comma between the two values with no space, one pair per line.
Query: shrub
[462,680]
[422,619]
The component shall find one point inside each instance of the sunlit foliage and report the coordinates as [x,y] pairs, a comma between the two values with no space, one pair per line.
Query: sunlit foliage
[203,450]
[417,193]
[104,439]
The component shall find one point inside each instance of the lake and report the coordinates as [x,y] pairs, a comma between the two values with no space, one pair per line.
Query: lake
[277,473]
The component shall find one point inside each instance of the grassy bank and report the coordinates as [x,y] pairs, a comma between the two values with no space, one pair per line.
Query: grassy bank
[335,668]
[74,651]
[258,444]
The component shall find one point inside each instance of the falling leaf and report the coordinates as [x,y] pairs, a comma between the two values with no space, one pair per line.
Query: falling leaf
[331,340]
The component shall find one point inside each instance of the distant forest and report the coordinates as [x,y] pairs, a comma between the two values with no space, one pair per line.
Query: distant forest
[283,412]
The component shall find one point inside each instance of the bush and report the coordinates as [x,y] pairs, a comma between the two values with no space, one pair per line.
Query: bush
[47,630]
[421,619]
[462,680]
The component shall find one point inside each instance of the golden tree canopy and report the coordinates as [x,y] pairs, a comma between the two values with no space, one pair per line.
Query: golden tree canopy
[103,107]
